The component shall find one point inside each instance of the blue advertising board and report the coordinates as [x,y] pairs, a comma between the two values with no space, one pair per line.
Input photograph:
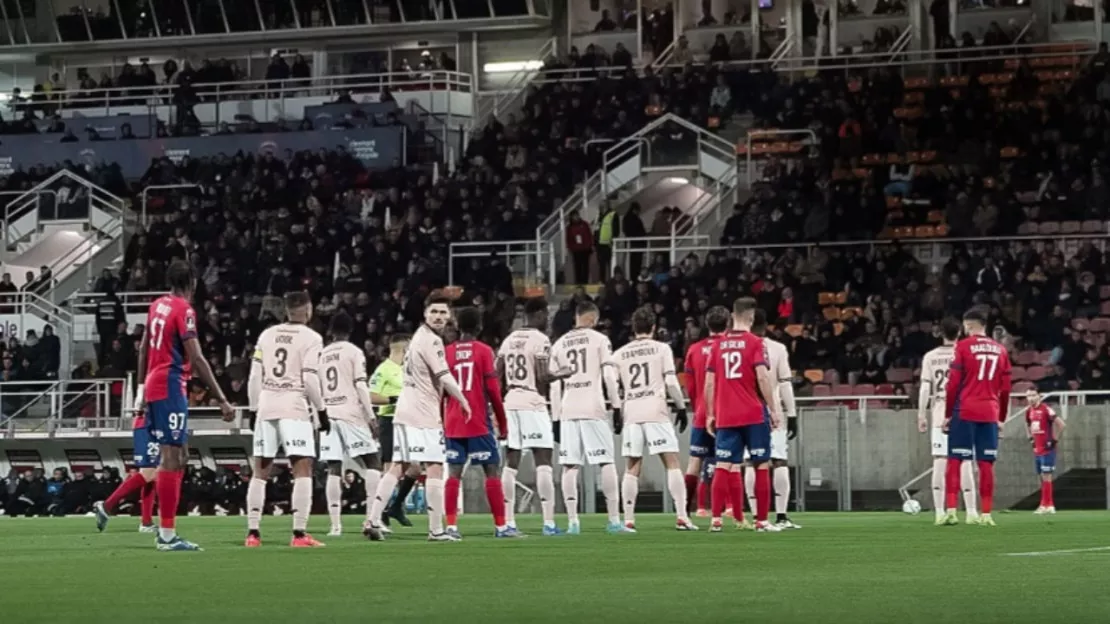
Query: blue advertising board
[375,147]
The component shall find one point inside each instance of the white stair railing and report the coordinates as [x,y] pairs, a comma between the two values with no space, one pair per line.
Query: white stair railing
[513,90]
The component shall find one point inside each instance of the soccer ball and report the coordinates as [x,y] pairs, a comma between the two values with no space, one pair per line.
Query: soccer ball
[911,507]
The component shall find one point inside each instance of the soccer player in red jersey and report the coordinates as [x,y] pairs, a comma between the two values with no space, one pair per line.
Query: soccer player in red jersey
[470,435]
[1044,430]
[146,463]
[169,351]
[976,401]
[739,412]
[701,443]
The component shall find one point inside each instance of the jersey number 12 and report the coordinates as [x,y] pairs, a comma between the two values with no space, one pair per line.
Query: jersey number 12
[733,361]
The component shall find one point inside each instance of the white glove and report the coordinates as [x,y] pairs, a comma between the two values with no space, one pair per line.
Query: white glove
[139,399]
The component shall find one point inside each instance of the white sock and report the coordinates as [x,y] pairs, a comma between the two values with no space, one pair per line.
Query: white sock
[333,491]
[256,500]
[967,484]
[781,476]
[630,489]
[508,485]
[381,497]
[433,490]
[749,489]
[545,487]
[940,464]
[676,485]
[373,478]
[302,502]
[611,490]
[570,493]
[167,534]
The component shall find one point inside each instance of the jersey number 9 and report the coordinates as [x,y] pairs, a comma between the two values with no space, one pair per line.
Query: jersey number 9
[332,376]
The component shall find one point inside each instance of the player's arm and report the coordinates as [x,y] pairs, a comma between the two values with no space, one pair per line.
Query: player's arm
[437,364]
[691,382]
[955,380]
[1004,388]
[543,371]
[674,389]
[766,388]
[924,397]
[1057,429]
[140,373]
[362,390]
[200,363]
[493,391]
[313,389]
[609,374]
[377,386]
[555,388]
[708,395]
[786,392]
[254,381]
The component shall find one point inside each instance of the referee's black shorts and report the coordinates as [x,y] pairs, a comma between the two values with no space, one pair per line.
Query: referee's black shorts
[385,437]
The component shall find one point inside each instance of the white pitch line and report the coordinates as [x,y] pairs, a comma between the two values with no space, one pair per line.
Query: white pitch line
[1048,553]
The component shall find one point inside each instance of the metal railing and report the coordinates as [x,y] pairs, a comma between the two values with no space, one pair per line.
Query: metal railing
[532,261]
[513,90]
[626,246]
[753,135]
[39,407]
[132,302]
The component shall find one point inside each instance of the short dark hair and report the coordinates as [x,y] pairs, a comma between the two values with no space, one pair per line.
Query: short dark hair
[585,307]
[976,314]
[469,321]
[341,324]
[643,320]
[759,325]
[399,338]
[296,299]
[179,275]
[534,306]
[436,297]
[950,328]
[743,305]
[717,319]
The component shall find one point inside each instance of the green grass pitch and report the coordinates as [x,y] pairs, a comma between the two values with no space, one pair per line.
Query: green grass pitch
[849,567]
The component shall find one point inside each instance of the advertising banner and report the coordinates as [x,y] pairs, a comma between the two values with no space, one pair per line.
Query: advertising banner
[108,127]
[375,147]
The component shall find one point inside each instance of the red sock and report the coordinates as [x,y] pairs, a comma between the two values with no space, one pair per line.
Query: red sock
[451,501]
[691,490]
[147,502]
[736,494]
[495,496]
[703,494]
[762,494]
[952,483]
[986,486]
[168,488]
[1046,494]
[720,492]
[133,484]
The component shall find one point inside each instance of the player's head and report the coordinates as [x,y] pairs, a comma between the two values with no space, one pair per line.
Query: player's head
[437,310]
[469,321]
[398,343]
[342,326]
[535,313]
[743,313]
[717,319]
[643,322]
[585,315]
[181,279]
[759,322]
[975,321]
[1033,397]
[298,306]
[949,329]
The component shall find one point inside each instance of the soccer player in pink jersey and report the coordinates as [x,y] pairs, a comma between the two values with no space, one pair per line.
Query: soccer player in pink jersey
[470,437]
[418,428]
[169,350]
[976,401]
[1044,430]
[741,413]
[354,428]
[646,370]
[284,385]
[523,362]
[701,443]
[582,361]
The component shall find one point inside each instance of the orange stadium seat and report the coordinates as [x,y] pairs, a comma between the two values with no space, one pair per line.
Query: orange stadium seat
[814,375]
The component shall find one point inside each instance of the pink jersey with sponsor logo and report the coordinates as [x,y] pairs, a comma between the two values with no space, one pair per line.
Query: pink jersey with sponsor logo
[342,368]
[522,353]
[286,352]
[580,356]
[646,368]
[425,364]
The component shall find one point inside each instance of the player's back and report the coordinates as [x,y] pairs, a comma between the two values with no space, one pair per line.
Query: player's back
[343,365]
[471,362]
[522,352]
[934,372]
[984,378]
[419,402]
[579,355]
[643,365]
[697,357]
[169,323]
[737,401]
[286,352]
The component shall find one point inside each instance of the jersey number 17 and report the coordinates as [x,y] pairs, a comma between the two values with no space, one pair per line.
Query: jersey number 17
[464,374]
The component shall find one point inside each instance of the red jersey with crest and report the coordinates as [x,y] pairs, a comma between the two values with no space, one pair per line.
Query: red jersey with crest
[733,360]
[697,356]
[978,381]
[471,363]
[169,323]
[1041,419]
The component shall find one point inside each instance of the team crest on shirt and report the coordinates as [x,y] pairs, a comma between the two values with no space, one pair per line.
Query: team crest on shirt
[190,322]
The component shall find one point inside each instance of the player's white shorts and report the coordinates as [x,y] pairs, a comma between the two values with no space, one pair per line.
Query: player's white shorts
[649,438]
[585,442]
[939,441]
[347,440]
[529,429]
[414,444]
[780,445]
[296,437]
